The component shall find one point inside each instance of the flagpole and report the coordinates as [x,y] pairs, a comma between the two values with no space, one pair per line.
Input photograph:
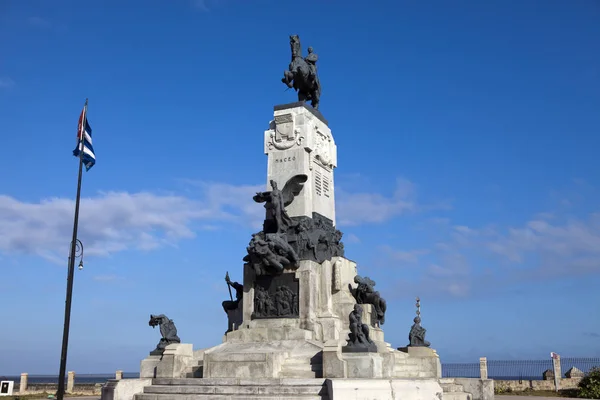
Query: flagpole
[65,342]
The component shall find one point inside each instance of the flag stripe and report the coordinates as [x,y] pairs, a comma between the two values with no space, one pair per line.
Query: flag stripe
[84,142]
[88,138]
[86,150]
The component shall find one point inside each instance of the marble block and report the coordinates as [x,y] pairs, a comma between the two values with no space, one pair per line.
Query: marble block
[298,141]
[148,367]
[383,389]
[364,365]
[123,389]
[334,365]
[172,364]
[175,359]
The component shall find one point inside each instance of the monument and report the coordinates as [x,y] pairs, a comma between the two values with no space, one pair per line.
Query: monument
[304,324]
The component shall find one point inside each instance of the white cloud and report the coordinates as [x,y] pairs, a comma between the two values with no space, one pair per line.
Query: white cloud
[488,258]
[116,221]
[111,222]
[553,240]
[570,247]
[351,239]
[358,208]
[404,256]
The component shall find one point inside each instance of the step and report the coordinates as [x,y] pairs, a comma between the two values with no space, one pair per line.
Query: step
[144,396]
[297,360]
[233,390]
[447,380]
[452,387]
[302,367]
[300,374]
[456,396]
[195,370]
[238,381]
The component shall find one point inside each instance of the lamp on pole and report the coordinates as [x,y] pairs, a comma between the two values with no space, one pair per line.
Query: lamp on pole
[76,253]
[79,253]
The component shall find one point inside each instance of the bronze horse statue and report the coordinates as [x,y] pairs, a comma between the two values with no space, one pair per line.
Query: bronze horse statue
[302,74]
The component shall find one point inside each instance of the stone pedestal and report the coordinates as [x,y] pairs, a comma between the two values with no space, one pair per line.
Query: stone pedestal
[424,359]
[300,142]
[261,347]
[175,360]
[323,307]
[234,318]
[148,367]
[171,364]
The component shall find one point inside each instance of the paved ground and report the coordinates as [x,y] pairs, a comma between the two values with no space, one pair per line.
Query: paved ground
[499,397]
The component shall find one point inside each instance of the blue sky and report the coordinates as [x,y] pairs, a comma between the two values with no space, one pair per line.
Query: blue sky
[467,137]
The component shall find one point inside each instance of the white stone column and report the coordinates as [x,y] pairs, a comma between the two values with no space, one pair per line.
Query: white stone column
[23,383]
[483,369]
[119,375]
[248,297]
[71,382]
[557,370]
[309,289]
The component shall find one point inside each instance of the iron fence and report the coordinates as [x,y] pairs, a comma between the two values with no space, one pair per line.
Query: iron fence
[497,369]
[584,364]
[79,378]
[517,369]
[511,370]
[460,370]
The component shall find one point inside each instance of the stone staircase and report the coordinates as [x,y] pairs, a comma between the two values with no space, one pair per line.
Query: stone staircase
[303,366]
[454,391]
[234,389]
[194,370]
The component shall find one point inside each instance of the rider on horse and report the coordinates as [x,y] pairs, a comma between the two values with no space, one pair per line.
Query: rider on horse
[303,72]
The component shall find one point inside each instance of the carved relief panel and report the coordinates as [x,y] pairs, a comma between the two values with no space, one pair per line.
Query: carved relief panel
[283,134]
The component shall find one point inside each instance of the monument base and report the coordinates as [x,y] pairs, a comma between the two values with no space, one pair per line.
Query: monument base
[290,389]
[384,389]
[298,358]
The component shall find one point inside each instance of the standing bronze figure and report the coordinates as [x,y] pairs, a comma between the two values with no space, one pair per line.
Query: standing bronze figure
[302,73]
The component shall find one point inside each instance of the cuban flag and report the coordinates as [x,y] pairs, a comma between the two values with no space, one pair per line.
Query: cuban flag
[84,140]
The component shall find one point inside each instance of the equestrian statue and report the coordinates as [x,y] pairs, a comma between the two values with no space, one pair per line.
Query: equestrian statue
[302,73]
